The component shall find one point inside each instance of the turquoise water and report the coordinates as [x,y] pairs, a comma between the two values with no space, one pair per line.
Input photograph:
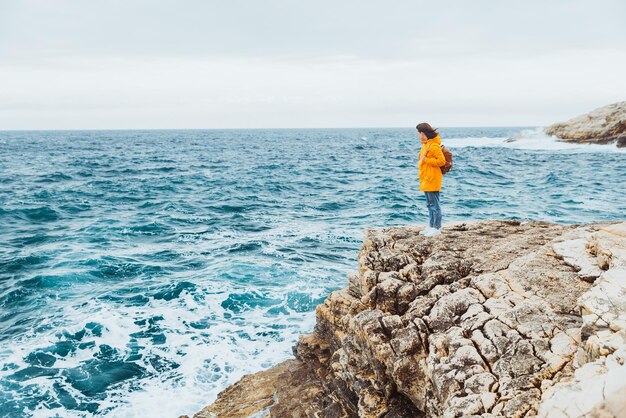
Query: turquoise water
[139,266]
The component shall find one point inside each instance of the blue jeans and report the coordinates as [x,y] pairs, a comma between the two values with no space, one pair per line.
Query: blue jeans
[434,211]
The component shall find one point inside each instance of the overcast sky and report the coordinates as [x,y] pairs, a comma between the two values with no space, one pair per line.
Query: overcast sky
[68,64]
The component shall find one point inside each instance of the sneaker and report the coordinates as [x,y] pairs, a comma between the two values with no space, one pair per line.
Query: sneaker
[426,230]
[432,233]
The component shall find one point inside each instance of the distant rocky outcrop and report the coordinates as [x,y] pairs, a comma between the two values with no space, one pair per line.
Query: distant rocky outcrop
[491,319]
[601,126]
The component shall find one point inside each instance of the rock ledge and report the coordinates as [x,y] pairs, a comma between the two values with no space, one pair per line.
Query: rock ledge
[492,319]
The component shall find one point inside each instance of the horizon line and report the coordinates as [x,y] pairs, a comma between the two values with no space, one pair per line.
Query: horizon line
[258,129]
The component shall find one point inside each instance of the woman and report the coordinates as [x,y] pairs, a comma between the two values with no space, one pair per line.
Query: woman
[431,158]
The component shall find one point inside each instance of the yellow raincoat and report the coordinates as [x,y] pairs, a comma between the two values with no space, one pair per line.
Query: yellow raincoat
[429,171]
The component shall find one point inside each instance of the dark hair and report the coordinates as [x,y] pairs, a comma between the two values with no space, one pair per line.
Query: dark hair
[428,130]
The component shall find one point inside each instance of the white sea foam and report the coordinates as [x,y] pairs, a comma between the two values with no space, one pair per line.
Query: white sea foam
[208,360]
[530,139]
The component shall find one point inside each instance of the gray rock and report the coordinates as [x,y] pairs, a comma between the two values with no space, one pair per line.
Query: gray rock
[601,126]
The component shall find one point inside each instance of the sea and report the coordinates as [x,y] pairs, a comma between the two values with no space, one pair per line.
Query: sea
[143,271]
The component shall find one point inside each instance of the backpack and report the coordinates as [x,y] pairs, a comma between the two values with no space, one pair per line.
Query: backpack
[448,165]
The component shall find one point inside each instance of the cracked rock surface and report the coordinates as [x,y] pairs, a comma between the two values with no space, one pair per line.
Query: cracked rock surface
[490,319]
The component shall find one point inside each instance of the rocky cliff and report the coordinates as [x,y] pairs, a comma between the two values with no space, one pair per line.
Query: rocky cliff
[492,319]
[601,126]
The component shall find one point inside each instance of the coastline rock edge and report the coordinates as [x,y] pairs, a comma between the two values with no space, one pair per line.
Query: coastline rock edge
[603,125]
[491,319]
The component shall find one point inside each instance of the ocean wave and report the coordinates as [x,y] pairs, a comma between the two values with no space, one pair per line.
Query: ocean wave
[529,139]
[53,178]
[35,214]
